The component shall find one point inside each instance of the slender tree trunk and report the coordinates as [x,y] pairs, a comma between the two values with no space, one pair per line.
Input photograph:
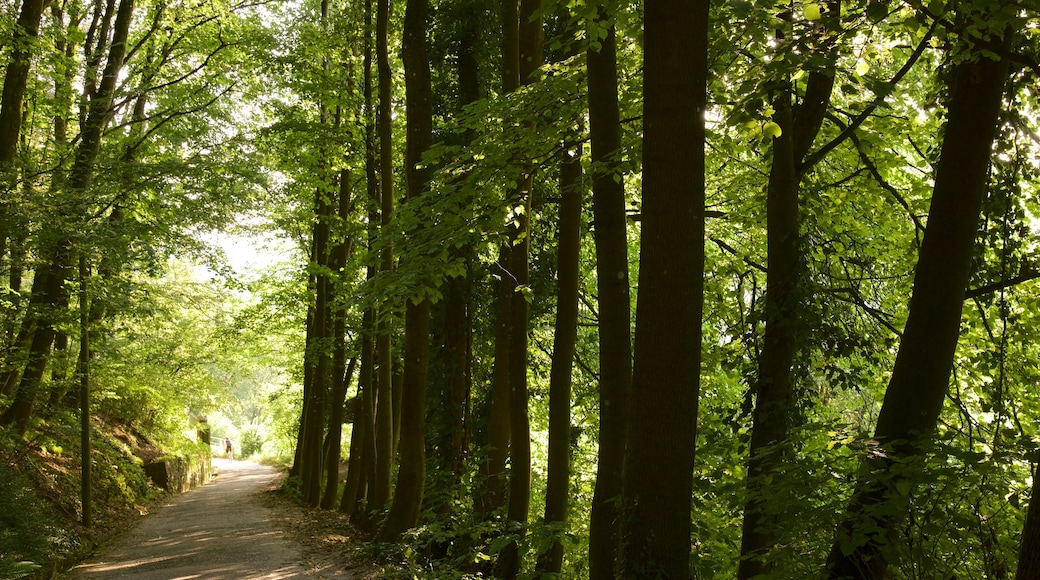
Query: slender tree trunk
[379,491]
[666,366]
[921,375]
[494,495]
[775,369]
[361,470]
[615,305]
[411,477]
[557,491]
[458,294]
[799,127]
[362,425]
[529,54]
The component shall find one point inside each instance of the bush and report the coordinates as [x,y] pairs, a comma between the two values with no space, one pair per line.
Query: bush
[252,441]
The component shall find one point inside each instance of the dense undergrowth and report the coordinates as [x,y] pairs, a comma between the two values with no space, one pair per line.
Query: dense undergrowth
[40,508]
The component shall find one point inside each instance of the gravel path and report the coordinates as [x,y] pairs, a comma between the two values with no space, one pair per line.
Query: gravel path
[220,531]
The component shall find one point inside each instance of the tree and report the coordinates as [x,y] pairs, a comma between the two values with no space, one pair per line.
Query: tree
[612,279]
[379,488]
[51,297]
[411,477]
[666,365]
[920,379]
[557,493]
[26,29]
[798,125]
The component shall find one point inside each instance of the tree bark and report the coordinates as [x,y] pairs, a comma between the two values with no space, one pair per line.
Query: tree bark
[920,378]
[666,366]
[1029,551]
[776,362]
[494,496]
[86,450]
[799,126]
[379,490]
[493,470]
[26,30]
[411,477]
[529,55]
[615,305]
[557,488]
[361,469]
[361,433]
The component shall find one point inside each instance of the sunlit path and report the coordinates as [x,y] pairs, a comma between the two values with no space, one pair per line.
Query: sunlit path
[217,532]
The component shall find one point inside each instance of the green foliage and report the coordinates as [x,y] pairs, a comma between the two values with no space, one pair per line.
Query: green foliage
[252,440]
[27,528]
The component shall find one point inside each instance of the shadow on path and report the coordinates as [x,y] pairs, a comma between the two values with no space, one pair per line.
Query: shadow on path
[216,532]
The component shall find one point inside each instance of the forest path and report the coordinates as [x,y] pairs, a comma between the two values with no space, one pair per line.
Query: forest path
[220,531]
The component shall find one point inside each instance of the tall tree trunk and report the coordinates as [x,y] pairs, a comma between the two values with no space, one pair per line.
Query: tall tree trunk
[529,59]
[379,490]
[361,433]
[458,293]
[361,470]
[26,30]
[494,494]
[342,373]
[775,368]
[565,337]
[49,302]
[615,304]
[411,477]
[799,126]
[920,377]
[493,470]
[666,366]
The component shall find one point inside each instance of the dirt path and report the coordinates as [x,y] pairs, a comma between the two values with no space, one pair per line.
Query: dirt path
[221,531]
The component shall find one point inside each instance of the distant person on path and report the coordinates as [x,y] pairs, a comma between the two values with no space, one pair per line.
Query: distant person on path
[229,448]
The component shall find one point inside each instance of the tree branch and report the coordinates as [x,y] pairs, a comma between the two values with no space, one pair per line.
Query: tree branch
[1002,284]
[869,110]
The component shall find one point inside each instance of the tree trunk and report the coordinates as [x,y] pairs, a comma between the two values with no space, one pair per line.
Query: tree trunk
[920,378]
[493,476]
[340,374]
[411,477]
[775,367]
[666,366]
[379,490]
[362,426]
[86,450]
[557,489]
[493,496]
[1029,552]
[361,470]
[26,30]
[799,127]
[529,54]
[615,305]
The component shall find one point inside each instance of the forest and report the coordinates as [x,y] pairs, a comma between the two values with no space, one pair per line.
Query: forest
[543,288]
